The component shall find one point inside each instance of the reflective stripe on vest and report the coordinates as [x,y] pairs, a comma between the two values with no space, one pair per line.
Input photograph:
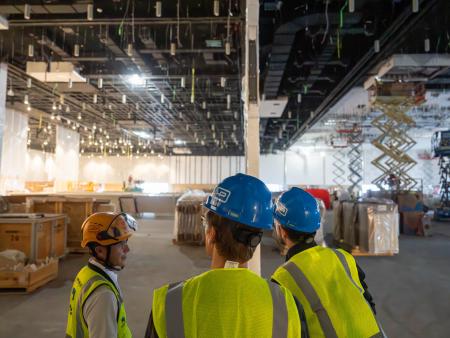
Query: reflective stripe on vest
[344,263]
[174,311]
[280,312]
[80,318]
[313,299]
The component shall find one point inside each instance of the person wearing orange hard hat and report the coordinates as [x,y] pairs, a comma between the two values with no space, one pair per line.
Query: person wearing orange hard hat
[96,306]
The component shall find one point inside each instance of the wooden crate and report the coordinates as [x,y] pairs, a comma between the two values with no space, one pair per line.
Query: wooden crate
[45,205]
[35,237]
[16,236]
[77,210]
[59,237]
[43,240]
[28,281]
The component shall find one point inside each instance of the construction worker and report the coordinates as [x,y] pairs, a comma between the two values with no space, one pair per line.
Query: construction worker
[96,305]
[229,300]
[328,283]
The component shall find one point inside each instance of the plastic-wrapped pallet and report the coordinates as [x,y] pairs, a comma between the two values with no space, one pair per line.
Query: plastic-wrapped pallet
[348,221]
[378,221]
[188,218]
[338,231]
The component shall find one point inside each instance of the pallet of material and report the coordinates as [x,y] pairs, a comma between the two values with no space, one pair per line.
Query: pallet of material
[188,227]
[360,253]
[368,227]
[27,281]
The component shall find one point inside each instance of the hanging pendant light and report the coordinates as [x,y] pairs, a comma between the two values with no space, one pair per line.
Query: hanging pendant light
[27,12]
[216,8]
[228,101]
[173,48]
[130,50]
[76,50]
[183,82]
[227,48]
[223,82]
[30,50]
[25,99]
[29,83]
[95,98]
[100,83]
[90,12]
[158,9]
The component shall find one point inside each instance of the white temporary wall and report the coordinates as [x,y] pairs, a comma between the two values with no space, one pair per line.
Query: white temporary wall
[66,158]
[304,166]
[40,166]
[163,169]
[14,151]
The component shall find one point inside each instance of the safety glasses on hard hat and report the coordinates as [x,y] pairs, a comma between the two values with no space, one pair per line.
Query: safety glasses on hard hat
[121,225]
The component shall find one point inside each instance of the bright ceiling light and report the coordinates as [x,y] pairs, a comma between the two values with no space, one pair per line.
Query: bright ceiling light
[179,142]
[141,134]
[136,80]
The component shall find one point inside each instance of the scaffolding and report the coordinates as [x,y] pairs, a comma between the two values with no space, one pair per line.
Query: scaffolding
[394,142]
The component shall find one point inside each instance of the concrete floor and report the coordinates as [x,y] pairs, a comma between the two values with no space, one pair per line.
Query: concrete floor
[411,290]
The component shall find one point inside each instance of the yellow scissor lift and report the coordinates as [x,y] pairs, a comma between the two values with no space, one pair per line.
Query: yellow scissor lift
[394,142]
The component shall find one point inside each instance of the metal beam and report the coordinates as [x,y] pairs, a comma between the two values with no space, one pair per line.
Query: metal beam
[119,21]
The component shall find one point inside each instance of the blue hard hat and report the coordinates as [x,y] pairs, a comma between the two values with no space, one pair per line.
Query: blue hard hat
[297,210]
[244,199]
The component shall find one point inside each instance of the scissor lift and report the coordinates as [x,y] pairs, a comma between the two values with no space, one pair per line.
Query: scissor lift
[394,142]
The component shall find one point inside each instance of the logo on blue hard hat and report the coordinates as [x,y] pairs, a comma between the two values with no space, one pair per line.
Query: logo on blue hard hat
[219,195]
[281,208]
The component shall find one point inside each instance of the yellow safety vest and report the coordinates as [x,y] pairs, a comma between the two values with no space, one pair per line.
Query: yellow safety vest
[225,303]
[85,283]
[326,283]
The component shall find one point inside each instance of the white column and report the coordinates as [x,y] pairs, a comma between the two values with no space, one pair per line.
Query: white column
[251,103]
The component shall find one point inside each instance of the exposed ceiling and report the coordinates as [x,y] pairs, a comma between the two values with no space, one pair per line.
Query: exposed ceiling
[170,84]
[314,52]
[169,79]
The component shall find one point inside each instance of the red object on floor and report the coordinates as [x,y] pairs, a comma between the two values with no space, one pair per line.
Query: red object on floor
[322,194]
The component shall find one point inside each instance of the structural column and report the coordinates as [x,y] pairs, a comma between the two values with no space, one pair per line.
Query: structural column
[251,104]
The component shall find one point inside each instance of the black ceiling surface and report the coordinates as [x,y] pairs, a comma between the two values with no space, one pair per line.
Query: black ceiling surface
[318,49]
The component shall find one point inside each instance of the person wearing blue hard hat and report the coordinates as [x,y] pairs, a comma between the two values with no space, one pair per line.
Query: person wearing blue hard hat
[229,300]
[327,282]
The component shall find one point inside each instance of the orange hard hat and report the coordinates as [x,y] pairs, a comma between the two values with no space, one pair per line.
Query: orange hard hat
[107,228]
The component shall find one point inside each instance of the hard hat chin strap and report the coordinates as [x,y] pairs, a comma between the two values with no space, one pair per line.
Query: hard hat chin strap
[105,262]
